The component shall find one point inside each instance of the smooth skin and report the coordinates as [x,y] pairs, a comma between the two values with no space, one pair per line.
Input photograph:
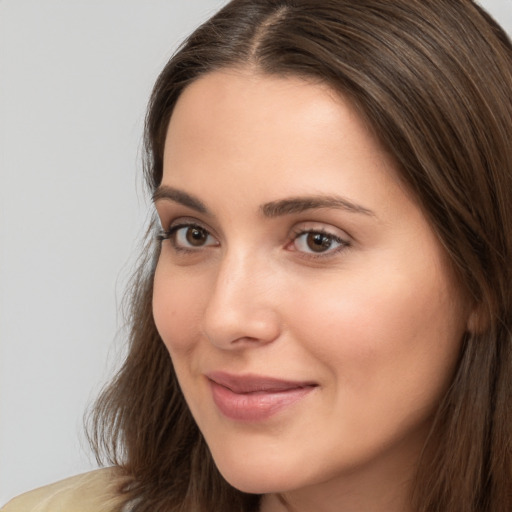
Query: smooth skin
[292,250]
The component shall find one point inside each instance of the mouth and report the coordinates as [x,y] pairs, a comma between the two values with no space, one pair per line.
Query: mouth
[253,397]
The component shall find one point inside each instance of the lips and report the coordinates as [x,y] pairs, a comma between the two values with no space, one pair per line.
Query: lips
[253,397]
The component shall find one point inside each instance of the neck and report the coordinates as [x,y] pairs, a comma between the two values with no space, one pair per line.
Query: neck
[324,499]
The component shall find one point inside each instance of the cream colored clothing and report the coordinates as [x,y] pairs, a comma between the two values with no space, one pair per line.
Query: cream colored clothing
[90,492]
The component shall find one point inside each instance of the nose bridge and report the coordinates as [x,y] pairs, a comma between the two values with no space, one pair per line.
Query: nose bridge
[241,267]
[240,308]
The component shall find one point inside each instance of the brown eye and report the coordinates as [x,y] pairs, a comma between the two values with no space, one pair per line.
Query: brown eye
[318,242]
[196,236]
[190,236]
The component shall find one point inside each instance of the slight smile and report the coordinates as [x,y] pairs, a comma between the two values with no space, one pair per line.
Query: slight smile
[253,398]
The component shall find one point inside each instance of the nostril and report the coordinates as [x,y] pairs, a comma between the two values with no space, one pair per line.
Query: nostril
[241,329]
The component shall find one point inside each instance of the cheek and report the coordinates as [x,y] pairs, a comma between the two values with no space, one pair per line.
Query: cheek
[177,308]
[383,339]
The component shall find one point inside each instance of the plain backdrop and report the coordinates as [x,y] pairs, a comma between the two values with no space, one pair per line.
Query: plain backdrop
[75,76]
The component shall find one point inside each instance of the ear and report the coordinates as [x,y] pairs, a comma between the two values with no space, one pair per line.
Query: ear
[478,319]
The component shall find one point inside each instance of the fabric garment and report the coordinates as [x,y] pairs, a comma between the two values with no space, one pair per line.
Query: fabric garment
[95,491]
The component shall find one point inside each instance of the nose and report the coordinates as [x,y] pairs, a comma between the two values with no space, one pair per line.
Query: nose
[242,309]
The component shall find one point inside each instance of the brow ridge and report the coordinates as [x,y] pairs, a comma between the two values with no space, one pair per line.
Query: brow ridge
[271,209]
[300,204]
[179,196]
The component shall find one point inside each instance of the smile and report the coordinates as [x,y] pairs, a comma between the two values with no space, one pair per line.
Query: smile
[254,398]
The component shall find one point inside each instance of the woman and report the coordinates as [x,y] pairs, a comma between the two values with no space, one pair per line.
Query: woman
[329,269]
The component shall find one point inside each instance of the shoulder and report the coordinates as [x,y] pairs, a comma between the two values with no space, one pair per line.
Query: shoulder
[95,491]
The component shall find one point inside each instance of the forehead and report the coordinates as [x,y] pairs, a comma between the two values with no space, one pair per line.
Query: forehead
[242,115]
[239,140]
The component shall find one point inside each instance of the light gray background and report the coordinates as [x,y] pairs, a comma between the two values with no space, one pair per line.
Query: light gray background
[75,76]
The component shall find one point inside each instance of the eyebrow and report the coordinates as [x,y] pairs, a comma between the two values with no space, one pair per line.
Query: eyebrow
[179,196]
[301,204]
[272,209]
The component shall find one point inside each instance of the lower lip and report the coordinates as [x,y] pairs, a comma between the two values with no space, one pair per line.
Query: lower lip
[256,406]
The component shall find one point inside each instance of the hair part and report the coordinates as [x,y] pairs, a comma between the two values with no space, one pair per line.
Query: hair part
[433,78]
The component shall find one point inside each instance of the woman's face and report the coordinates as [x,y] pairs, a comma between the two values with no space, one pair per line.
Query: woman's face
[308,308]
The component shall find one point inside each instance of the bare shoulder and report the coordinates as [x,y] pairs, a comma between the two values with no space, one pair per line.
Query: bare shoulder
[95,491]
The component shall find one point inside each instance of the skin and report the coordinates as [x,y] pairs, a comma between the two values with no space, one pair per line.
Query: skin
[376,321]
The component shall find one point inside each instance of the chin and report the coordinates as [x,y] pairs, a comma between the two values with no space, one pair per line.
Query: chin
[264,482]
[258,475]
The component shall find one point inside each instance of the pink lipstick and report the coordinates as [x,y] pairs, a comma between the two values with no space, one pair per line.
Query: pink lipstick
[253,397]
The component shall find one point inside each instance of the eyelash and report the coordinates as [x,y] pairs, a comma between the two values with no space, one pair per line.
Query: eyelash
[297,234]
[343,243]
[173,230]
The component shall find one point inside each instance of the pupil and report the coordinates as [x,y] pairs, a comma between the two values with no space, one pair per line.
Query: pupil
[196,236]
[318,242]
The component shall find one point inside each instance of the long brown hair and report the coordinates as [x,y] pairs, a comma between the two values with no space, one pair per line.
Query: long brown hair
[433,78]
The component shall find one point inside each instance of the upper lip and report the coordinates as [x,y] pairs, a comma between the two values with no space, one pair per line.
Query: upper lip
[251,383]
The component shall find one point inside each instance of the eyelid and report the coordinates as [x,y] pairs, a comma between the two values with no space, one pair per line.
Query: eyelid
[340,239]
[180,223]
[321,227]
[337,235]
[183,220]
